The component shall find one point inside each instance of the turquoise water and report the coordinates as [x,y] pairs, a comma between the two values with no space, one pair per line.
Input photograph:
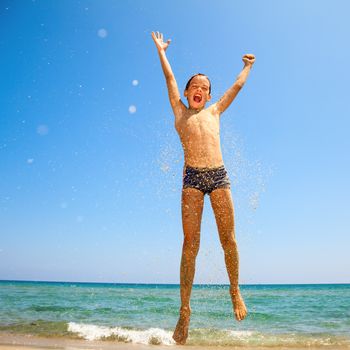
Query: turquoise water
[279,315]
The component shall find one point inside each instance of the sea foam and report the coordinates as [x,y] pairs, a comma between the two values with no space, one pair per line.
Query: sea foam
[153,336]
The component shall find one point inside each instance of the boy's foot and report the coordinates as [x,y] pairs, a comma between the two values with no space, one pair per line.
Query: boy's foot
[181,331]
[239,307]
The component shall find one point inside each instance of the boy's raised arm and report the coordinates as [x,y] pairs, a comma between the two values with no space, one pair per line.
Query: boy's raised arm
[173,91]
[232,92]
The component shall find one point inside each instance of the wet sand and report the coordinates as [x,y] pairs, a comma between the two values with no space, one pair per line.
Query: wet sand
[27,342]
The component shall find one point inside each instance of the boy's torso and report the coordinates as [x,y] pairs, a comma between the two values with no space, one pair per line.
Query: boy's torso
[199,133]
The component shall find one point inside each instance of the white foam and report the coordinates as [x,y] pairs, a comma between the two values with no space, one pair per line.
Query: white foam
[240,334]
[149,336]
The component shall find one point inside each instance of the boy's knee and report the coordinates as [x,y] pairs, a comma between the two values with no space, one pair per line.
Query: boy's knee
[191,245]
[228,242]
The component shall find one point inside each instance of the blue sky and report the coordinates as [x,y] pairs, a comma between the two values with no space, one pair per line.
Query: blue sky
[91,166]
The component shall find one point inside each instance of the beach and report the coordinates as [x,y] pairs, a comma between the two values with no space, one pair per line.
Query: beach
[12,342]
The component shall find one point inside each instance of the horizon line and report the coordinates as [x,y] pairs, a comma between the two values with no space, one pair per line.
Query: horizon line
[175,284]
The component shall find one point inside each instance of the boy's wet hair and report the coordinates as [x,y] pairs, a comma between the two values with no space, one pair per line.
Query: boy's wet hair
[196,75]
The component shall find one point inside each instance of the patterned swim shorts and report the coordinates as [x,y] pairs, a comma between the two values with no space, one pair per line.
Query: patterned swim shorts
[206,179]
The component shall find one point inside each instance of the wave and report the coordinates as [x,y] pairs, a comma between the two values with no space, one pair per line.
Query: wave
[207,337]
[62,309]
[197,337]
[53,308]
[154,336]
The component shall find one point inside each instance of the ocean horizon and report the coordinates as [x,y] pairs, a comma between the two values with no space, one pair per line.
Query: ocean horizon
[289,315]
[173,284]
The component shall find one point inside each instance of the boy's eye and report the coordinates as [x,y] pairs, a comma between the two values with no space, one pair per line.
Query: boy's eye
[202,87]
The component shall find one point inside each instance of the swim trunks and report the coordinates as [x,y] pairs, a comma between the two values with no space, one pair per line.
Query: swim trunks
[206,179]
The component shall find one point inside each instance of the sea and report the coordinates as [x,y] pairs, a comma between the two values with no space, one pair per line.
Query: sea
[279,315]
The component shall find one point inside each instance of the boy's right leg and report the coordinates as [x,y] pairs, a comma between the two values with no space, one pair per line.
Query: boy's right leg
[192,208]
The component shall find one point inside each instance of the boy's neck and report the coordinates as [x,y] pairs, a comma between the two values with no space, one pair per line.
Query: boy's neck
[196,110]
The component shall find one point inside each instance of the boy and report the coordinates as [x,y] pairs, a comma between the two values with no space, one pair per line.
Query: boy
[204,172]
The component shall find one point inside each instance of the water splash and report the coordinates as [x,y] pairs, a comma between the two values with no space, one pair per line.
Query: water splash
[132,109]
[169,162]
[248,177]
[152,336]
[102,33]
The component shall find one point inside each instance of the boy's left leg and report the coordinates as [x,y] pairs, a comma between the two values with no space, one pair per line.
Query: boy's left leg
[222,204]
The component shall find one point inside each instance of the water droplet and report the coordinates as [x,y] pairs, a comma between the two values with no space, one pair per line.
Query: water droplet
[102,33]
[132,109]
[42,129]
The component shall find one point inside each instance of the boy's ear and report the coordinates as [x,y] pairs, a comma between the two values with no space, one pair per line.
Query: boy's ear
[185,93]
[209,98]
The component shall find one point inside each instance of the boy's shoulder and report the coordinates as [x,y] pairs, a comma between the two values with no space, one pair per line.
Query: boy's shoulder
[179,109]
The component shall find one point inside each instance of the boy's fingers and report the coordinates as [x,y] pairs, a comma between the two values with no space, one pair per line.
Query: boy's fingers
[154,37]
[159,36]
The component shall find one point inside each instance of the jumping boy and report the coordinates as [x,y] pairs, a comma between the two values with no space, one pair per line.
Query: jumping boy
[204,173]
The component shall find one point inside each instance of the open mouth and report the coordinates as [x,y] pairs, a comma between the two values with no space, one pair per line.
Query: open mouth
[197,98]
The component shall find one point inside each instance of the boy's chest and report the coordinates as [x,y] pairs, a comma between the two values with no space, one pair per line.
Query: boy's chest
[197,123]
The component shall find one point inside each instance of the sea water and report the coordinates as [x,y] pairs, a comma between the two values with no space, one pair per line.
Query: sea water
[279,315]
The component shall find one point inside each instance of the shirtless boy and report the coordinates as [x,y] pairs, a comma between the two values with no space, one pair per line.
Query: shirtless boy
[204,173]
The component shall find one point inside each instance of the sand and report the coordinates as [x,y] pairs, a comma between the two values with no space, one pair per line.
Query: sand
[27,342]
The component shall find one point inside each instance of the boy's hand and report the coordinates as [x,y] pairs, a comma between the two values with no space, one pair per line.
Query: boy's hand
[248,59]
[158,40]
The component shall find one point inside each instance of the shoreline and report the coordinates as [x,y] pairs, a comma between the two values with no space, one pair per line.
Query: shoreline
[29,342]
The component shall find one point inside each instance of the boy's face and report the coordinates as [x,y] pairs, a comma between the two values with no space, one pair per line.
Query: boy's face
[197,93]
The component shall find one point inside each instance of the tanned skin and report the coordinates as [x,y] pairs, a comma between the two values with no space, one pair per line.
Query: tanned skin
[199,131]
